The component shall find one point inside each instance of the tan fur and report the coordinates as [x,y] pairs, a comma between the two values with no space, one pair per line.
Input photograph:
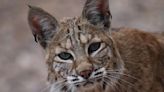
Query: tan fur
[84,54]
[142,54]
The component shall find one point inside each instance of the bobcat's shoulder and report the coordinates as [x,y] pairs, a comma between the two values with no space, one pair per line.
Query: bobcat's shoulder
[142,53]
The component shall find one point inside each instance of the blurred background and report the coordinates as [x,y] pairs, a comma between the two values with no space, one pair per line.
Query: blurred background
[22,64]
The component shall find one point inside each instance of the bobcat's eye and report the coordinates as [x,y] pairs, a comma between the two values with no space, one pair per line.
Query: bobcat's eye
[65,56]
[94,47]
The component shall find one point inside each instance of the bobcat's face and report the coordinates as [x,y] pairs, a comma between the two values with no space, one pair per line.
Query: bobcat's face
[80,52]
[82,56]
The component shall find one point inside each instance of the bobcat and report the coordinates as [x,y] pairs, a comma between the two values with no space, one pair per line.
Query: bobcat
[84,54]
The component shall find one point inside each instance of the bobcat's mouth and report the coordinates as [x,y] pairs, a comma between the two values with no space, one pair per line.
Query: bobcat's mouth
[96,76]
[88,83]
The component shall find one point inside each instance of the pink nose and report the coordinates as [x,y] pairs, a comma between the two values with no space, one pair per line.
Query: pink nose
[86,73]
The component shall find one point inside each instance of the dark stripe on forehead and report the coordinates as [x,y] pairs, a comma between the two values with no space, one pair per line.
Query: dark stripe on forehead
[73,31]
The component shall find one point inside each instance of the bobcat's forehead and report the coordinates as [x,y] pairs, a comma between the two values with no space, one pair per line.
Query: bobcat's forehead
[74,34]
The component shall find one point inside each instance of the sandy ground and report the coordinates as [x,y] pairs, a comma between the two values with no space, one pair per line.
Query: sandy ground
[22,65]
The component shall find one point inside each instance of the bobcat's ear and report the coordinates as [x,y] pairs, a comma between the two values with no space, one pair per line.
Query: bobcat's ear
[97,13]
[42,24]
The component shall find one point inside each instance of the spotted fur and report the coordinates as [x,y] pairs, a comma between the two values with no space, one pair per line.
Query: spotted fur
[84,54]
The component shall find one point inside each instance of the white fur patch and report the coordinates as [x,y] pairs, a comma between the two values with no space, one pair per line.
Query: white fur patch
[89,36]
[71,78]
[68,44]
[96,39]
[100,70]
[58,50]
[83,38]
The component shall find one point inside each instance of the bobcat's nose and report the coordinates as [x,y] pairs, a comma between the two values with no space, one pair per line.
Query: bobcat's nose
[85,69]
[86,73]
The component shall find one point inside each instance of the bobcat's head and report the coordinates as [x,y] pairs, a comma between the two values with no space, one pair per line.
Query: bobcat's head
[80,52]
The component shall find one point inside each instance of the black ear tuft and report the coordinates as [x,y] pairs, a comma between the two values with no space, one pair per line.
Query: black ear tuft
[43,25]
[97,13]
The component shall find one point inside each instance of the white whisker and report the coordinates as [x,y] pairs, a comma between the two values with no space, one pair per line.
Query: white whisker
[119,84]
[57,86]
[108,82]
[121,80]
[127,75]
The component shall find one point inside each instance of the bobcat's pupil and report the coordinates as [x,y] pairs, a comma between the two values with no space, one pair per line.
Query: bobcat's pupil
[65,56]
[93,47]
